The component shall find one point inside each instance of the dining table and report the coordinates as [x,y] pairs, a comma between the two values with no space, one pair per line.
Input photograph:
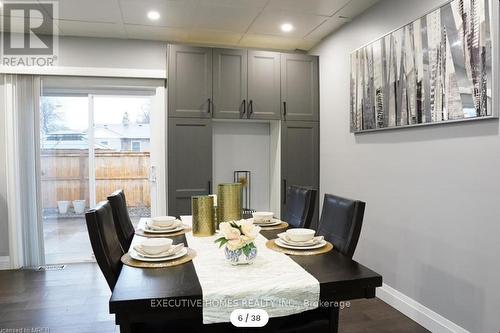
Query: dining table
[155,295]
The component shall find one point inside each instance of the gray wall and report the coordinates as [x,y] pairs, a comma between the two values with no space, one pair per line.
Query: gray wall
[112,53]
[432,225]
[4,234]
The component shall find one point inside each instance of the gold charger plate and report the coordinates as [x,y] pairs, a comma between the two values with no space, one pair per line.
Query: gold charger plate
[272,245]
[127,260]
[282,225]
[141,232]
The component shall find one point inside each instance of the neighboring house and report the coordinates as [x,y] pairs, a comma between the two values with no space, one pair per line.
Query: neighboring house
[123,137]
[69,140]
[115,137]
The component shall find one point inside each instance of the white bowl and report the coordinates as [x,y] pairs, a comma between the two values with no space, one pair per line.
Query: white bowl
[300,234]
[156,245]
[262,217]
[163,221]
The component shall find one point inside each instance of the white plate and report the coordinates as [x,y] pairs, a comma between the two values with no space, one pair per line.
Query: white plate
[179,228]
[137,256]
[282,237]
[298,244]
[279,242]
[270,224]
[176,224]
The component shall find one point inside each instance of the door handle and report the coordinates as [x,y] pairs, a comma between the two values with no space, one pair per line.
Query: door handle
[250,108]
[284,191]
[244,104]
[209,105]
[209,187]
[152,174]
[284,109]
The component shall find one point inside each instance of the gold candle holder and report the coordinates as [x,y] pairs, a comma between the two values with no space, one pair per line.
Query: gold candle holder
[203,216]
[229,202]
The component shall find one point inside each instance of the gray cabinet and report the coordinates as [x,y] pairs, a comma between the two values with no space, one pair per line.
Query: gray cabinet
[229,83]
[189,81]
[299,87]
[189,162]
[263,85]
[299,158]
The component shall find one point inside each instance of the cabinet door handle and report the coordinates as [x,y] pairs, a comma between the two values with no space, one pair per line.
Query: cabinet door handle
[209,187]
[244,107]
[250,108]
[209,105]
[284,191]
[284,109]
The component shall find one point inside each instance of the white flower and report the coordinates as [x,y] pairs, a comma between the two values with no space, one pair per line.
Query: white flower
[249,229]
[235,244]
[229,232]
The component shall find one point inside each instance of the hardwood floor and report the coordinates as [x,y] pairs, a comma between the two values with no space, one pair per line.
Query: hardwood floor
[373,315]
[76,300]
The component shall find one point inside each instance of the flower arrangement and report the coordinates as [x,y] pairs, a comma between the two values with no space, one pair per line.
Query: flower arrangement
[238,237]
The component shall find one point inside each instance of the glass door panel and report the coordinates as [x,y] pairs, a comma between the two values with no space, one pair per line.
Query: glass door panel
[64,164]
[122,136]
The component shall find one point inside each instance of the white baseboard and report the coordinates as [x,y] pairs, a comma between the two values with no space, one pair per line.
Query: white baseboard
[4,263]
[424,316]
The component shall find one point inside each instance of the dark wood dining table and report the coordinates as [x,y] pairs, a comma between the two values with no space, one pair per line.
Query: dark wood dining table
[140,294]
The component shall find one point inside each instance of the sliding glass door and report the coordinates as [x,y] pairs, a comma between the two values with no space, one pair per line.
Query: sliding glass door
[92,143]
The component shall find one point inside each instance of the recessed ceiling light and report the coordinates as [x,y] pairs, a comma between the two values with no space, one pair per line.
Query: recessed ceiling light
[153,15]
[286,27]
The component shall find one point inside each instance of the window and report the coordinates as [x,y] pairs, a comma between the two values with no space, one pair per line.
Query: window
[104,143]
[136,145]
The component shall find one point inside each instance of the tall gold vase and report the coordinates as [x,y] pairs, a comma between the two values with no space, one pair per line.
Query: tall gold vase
[229,202]
[203,216]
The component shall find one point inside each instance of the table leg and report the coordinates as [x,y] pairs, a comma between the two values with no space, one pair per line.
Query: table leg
[334,320]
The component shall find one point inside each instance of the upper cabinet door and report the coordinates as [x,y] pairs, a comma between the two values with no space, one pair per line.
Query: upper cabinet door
[189,81]
[299,87]
[230,83]
[263,85]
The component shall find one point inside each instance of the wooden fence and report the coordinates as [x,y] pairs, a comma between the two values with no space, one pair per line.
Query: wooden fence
[65,176]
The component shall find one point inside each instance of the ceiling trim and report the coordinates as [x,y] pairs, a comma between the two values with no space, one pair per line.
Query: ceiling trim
[86,71]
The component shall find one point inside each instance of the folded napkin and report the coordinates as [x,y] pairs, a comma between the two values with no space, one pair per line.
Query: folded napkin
[170,252]
[272,221]
[284,237]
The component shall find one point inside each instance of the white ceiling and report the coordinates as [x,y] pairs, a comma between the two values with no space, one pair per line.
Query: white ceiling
[245,23]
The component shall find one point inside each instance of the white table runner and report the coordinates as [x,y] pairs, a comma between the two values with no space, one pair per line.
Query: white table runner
[274,282]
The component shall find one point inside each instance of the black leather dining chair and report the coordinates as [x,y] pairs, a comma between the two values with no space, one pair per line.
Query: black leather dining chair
[123,224]
[104,241]
[340,224]
[341,221]
[299,206]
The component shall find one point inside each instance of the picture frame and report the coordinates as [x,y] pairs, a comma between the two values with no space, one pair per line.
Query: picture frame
[382,97]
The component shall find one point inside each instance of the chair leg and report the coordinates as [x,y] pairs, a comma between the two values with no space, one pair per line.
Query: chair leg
[125,329]
[334,320]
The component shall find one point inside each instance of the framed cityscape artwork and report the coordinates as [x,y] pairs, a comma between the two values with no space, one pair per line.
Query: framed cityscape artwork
[436,69]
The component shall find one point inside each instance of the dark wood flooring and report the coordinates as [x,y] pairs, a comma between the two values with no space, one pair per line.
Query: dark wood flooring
[76,300]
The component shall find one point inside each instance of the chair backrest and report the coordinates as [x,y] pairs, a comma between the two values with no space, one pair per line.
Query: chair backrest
[341,221]
[299,206]
[123,224]
[105,244]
